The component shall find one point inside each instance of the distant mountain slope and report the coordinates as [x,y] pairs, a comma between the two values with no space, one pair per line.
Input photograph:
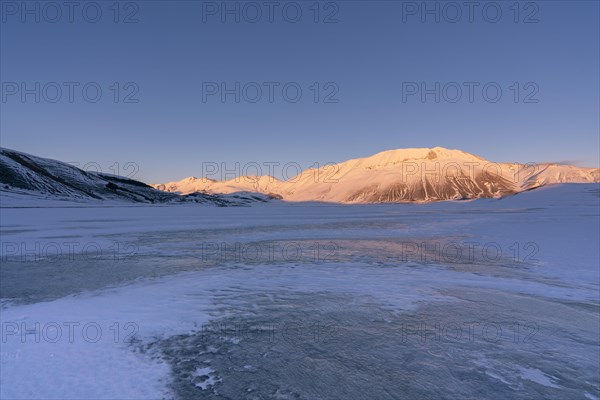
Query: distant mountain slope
[403,175]
[257,184]
[25,176]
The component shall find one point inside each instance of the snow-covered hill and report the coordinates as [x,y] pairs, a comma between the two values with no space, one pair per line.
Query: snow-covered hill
[403,175]
[27,180]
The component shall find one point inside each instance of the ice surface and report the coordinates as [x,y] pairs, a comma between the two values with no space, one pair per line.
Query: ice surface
[181,318]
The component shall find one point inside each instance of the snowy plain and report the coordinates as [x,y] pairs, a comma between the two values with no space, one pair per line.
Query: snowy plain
[492,298]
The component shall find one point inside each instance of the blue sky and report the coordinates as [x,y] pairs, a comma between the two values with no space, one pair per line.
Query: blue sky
[370,61]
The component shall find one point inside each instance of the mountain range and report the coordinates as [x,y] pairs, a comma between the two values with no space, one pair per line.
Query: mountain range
[403,175]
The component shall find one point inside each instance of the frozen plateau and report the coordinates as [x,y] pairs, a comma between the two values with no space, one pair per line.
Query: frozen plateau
[364,286]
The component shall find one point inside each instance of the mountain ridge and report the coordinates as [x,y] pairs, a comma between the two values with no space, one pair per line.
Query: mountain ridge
[394,176]
[25,178]
[400,175]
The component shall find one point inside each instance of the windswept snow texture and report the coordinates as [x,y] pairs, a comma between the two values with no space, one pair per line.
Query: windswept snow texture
[486,299]
[403,175]
[27,180]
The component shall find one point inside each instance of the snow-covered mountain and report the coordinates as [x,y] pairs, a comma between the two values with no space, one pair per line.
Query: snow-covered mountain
[257,184]
[27,179]
[403,175]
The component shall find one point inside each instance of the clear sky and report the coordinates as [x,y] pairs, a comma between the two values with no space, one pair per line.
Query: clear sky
[371,62]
